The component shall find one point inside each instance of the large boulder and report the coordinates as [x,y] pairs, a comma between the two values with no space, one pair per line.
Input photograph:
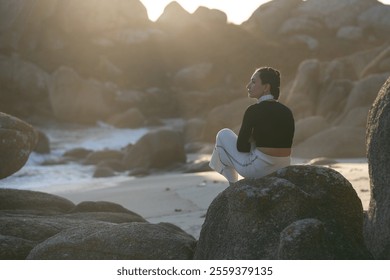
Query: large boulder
[333,97]
[24,86]
[125,241]
[377,231]
[132,118]
[18,140]
[308,127]
[365,91]
[33,202]
[37,228]
[356,117]
[333,142]
[193,76]
[77,100]
[298,212]
[23,78]
[303,94]
[157,149]
[379,64]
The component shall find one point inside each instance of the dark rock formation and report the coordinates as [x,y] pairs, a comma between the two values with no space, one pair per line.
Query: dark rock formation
[43,143]
[18,139]
[298,212]
[377,230]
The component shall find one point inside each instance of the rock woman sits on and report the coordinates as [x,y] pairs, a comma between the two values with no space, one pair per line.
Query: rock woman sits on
[264,142]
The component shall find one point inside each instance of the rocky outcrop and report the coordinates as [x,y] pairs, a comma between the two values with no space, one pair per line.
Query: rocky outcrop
[158,149]
[377,230]
[18,139]
[333,93]
[308,127]
[298,212]
[38,225]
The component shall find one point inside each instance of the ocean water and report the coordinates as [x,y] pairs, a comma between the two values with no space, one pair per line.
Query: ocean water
[63,137]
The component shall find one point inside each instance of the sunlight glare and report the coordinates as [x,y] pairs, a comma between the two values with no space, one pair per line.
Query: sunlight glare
[237,11]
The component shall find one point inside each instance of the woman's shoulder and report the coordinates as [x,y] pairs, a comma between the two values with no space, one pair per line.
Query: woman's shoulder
[272,107]
[280,105]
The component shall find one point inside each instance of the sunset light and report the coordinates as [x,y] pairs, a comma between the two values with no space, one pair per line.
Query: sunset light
[162,137]
[236,11]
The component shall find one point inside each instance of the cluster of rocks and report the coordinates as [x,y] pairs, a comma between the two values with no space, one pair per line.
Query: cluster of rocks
[159,150]
[299,212]
[37,225]
[119,67]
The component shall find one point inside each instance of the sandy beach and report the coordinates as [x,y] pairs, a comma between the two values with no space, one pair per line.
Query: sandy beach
[183,199]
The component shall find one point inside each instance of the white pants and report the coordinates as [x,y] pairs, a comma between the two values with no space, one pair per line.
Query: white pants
[229,162]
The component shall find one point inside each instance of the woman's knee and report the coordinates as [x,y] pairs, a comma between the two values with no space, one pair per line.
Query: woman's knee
[225,133]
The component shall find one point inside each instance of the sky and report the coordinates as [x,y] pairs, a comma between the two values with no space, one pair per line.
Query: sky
[237,11]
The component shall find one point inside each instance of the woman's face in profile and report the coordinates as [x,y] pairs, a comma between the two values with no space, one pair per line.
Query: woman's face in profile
[255,87]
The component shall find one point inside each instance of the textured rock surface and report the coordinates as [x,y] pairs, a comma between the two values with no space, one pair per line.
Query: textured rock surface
[377,231]
[44,226]
[125,241]
[267,218]
[17,141]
